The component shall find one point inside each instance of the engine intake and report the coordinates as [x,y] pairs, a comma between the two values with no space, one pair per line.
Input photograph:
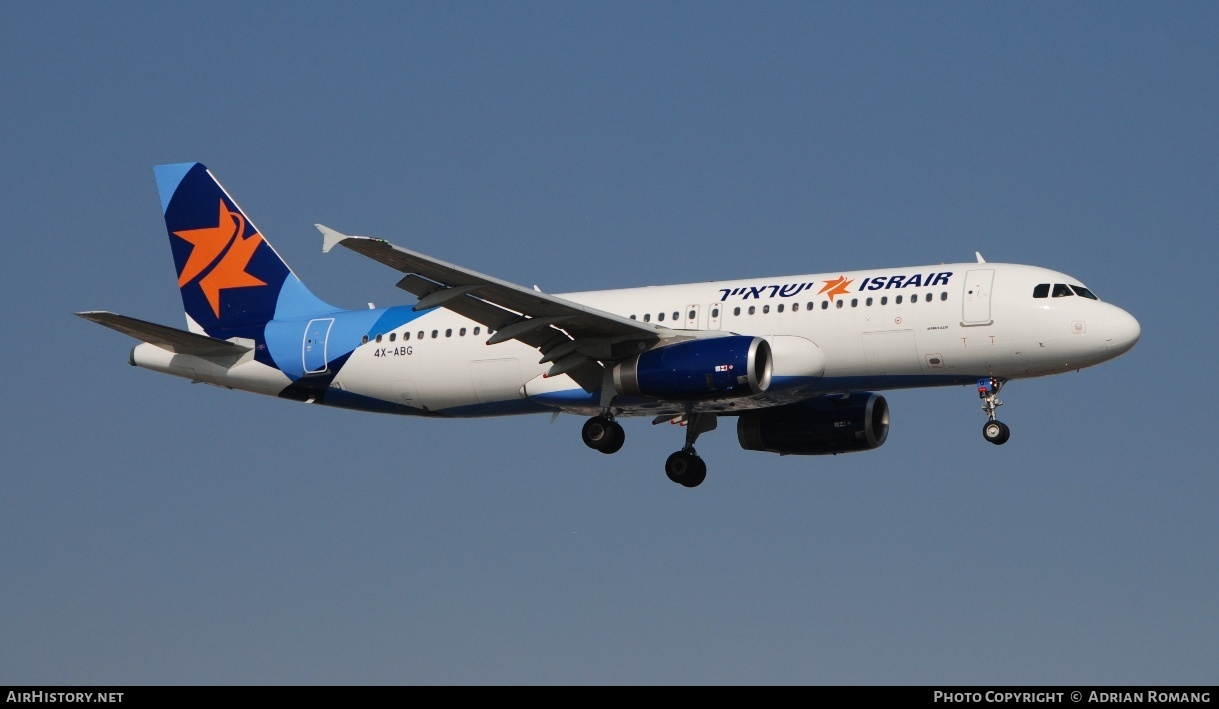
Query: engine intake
[716,368]
[822,426]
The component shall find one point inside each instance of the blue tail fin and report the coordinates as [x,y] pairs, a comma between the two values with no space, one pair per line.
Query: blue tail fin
[232,281]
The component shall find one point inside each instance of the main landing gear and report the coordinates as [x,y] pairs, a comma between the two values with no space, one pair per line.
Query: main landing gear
[994,431]
[685,467]
[603,433]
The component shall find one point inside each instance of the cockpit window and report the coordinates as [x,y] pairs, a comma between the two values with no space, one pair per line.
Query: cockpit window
[1041,290]
[1061,290]
[1083,292]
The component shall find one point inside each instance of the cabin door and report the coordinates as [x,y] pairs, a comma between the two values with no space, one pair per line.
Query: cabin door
[975,303]
[314,347]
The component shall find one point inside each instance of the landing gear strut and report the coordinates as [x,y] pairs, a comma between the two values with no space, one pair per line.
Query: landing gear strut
[685,467]
[603,433]
[994,430]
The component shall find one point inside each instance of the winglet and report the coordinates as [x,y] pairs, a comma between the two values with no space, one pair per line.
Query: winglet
[330,237]
[979,255]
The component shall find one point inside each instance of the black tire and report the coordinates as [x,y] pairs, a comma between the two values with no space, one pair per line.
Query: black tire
[598,433]
[696,476]
[678,466]
[616,439]
[686,469]
[996,432]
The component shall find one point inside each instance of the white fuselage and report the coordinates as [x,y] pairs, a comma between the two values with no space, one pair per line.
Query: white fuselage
[874,329]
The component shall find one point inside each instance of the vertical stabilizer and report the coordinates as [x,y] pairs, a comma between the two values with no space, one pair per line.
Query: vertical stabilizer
[232,281]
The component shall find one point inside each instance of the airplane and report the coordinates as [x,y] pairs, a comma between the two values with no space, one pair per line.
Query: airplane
[797,360]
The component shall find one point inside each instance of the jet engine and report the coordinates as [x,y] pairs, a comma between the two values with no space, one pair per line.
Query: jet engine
[821,426]
[715,368]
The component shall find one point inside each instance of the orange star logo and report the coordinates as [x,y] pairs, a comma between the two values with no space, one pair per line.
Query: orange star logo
[209,244]
[838,286]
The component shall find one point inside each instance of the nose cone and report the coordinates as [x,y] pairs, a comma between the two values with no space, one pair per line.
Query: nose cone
[1122,331]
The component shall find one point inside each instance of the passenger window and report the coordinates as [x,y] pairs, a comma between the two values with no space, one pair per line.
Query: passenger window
[765,309]
[632,317]
[1041,290]
[944,295]
[660,317]
[421,334]
[676,316]
[795,307]
[448,333]
[839,303]
[752,310]
[406,336]
[715,312]
[780,308]
[1084,292]
[825,304]
[647,317]
[897,300]
[854,302]
[736,311]
[364,340]
[810,305]
[435,334]
[462,332]
[393,336]
[476,330]
[914,298]
[868,302]
[884,300]
[691,315]
[378,338]
[1061,290]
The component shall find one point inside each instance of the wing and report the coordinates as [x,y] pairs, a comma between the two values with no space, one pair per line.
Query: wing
[576,338]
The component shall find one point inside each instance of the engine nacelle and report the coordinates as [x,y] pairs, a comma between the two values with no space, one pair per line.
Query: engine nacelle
[796,362]
[821,426]
[714,368]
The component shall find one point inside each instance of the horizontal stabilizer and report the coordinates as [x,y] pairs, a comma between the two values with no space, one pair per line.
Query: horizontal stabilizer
[167,338]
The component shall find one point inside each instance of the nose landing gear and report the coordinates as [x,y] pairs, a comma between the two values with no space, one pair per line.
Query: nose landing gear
[994,431]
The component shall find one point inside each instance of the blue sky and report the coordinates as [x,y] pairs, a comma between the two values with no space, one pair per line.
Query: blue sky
[154,531]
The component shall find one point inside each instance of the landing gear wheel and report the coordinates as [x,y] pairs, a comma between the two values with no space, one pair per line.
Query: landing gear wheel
[698,475]
[617,438]
[996,432]
[686,469]
[601,434]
